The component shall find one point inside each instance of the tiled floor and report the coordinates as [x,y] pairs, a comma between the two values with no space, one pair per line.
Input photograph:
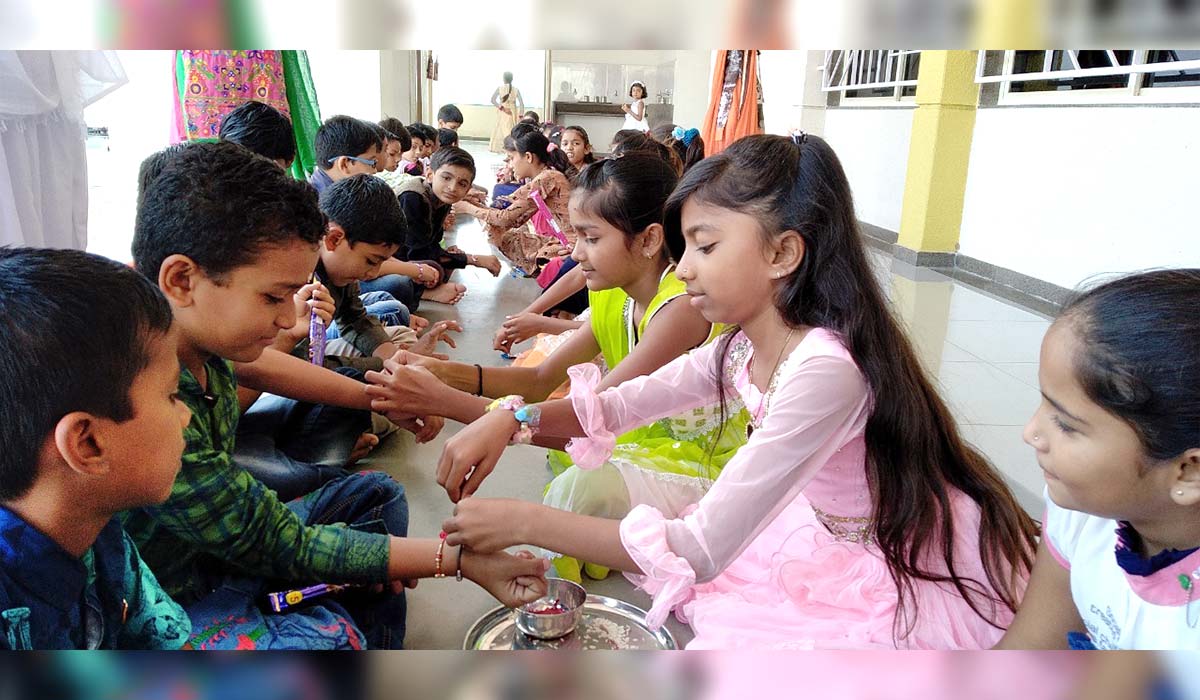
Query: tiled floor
[982,350]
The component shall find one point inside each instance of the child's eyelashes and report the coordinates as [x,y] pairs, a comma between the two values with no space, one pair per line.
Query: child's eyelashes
[272,299]
[706,249]
[1066,429]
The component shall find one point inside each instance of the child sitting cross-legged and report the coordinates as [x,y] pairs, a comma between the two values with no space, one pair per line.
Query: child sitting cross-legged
[105,438]
[229,237]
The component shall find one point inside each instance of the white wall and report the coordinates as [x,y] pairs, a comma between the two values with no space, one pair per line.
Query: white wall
[347,82]
[693,76]
[1064,194]
[873,147]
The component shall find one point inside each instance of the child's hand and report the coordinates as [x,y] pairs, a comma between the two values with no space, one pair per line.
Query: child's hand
[522,327]
[501,341]
[449,220]
[512,580]
[437,333]
[311,297]
[487,524]
[423,428]
[471,455]
[403,390]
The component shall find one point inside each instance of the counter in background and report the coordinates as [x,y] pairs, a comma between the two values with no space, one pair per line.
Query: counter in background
[603,120]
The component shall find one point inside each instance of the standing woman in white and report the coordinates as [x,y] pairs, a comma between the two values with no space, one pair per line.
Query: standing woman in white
[508,103]
[635,112]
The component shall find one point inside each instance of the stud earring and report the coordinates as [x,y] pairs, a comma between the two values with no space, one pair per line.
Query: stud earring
[1037,437]
[1179,492]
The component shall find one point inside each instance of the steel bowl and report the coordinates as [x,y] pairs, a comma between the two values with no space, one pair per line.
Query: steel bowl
[545,625]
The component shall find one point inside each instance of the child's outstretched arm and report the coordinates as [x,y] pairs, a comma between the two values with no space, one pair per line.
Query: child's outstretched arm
[493,524]
[286,375]
[1047,612]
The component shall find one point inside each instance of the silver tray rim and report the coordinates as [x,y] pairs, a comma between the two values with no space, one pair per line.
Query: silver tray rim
[489,620]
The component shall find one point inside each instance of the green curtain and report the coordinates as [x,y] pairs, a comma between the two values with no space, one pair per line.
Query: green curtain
[306,113]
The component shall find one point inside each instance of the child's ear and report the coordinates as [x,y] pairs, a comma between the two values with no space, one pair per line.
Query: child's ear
[1185,489]
[77,439]
[334,235]
[789,251]
[653,240]
[177,278]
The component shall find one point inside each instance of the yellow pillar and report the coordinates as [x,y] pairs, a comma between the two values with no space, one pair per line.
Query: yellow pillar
[939,152]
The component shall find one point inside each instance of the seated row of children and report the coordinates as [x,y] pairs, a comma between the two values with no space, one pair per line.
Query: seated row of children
[818,496]
[224,239]
[821,495]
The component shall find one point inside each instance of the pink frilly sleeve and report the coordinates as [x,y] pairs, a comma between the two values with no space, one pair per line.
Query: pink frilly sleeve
[686,382]
[592,451]
[666,576]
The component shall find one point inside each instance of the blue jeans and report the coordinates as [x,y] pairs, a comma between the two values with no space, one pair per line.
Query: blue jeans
[232,616]
[382,306]
[403,289]
[294,447]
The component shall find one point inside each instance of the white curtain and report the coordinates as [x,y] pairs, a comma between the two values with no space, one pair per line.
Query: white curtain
[43,141]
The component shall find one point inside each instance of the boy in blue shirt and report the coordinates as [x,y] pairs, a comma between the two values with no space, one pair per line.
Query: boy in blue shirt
[105,437]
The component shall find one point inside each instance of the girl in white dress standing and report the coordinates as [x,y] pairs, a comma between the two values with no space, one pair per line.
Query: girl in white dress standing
[635,112]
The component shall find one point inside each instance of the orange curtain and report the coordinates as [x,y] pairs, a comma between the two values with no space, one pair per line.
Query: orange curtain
[729,119]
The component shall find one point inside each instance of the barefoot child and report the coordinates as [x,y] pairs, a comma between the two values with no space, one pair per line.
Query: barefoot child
[425,205]
[544,164]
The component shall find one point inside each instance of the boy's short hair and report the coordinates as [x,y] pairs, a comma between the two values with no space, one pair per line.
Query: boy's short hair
[452,155]
[397,129]
[447,137]
[366,209]
[261,128]
[153,165]
[74,334]
[450,114]
[219,204]
[422,131]
[344,136]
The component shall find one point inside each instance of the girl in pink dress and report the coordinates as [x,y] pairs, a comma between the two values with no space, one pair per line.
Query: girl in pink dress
[855,516]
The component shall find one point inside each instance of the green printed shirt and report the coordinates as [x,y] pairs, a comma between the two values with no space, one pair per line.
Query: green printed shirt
[220,519]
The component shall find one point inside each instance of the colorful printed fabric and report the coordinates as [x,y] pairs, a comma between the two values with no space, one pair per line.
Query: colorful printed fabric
[107,599]
[210,84]
[219,518]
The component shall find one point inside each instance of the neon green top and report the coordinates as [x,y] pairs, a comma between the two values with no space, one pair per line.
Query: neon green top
[679,444]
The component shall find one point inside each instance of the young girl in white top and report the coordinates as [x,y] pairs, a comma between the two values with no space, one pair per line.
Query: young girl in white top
[1118,437]
[635,112]
[855,516]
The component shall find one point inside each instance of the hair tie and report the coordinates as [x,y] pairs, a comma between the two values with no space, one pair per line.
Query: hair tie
[677,133]
[550,147]
[689,136]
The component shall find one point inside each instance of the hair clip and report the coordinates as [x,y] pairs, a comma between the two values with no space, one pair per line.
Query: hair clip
[799,137]
[550,147]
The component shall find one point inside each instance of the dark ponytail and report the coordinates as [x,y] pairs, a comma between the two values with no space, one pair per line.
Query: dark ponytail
[630,193]
[537,144]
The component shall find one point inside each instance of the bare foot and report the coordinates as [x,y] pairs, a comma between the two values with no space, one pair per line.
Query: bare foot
[449,293]
[490,263]
[362,447]
[417,323]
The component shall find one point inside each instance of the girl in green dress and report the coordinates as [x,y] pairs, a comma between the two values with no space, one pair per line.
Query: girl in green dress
[640,321]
